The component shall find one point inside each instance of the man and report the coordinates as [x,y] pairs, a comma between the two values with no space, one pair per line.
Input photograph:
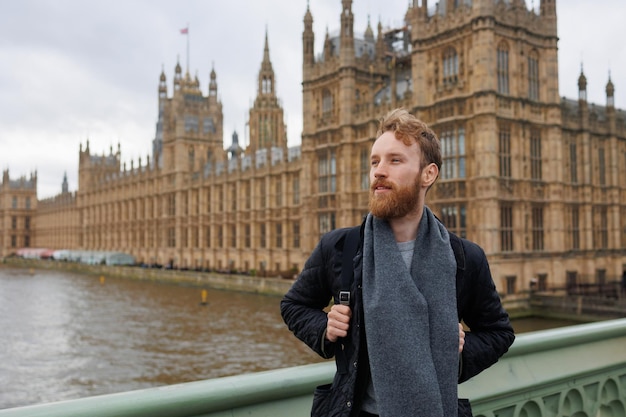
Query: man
[399,344]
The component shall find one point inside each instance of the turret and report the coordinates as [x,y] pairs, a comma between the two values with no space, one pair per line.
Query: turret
[369,33]
[213,84]
[162,85]
[234,150]
[582,86]
[64,185]
[610,91]
[266,75]
[547,10]
[346,48]
[328,47]
[178,75]
[380,42]
[308,40]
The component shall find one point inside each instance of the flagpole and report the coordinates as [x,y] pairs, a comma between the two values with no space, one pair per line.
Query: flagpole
[185,31]
[188,68]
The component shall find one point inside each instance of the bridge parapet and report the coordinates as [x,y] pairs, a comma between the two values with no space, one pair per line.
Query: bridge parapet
[571,371]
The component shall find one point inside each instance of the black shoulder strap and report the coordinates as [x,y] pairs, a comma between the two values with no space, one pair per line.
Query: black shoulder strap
[459,255]
[350,245]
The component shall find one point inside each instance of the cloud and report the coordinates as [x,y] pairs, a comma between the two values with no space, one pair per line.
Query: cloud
[72,70]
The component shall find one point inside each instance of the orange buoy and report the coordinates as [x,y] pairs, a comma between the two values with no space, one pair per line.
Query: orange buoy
[204,297]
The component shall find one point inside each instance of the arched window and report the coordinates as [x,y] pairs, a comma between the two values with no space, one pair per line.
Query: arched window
[450,67]
[191,157]
[503,68]
[533,75]
[266,85]
[327,102]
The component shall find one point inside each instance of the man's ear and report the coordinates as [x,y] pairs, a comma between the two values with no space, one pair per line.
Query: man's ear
[429,175]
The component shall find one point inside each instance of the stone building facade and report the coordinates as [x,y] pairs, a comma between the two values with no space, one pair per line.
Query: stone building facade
[537,180]
[18,208]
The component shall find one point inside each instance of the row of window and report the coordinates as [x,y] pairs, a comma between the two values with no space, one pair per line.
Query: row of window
[154,207]
[14,222]
[219,236]
[450,76]
[502,71]
[25,243]
[192,124]
[599,160]
[572,281]
[15,203]
[600,229]
[227,236]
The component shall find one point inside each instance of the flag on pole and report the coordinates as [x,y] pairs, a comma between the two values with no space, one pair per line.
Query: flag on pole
[184,31]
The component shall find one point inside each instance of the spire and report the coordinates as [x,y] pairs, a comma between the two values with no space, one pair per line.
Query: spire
[267,64]
[162,84]
[369,33]
[266,74]
[196,82]
[346,46]
[213,83]
[234,150]
[582,85]
[308,18]
[347,20]
[308,38]
[64,185]
[177,74]
[547,12]
[547,7]
[328,47]
[610,92]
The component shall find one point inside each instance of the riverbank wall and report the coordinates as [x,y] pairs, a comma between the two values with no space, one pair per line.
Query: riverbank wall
[549,305]
[245,283]
[517,305]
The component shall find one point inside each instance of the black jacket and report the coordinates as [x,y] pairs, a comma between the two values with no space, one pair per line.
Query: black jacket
[302,308]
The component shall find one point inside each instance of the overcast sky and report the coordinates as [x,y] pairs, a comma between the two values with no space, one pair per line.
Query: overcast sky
[72,70]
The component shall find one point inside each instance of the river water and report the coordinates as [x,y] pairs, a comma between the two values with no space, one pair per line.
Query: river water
[67,336]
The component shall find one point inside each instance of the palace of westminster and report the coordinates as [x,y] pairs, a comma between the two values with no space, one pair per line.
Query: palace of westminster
[539,181]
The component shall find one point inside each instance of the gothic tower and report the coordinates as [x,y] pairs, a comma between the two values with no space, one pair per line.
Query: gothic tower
[267,128]
[486,79]
[190,125]
[339,87]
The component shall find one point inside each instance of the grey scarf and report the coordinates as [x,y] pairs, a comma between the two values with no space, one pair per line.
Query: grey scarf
[411,321]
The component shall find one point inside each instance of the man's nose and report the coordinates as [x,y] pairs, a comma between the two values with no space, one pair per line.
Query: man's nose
[380,170]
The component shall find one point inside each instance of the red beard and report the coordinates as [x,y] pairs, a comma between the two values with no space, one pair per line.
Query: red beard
[396,202]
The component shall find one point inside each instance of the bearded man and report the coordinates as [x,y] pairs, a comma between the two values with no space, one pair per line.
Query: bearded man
[397,336]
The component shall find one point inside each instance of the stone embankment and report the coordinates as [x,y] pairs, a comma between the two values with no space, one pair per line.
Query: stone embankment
[231,282]
[518,305]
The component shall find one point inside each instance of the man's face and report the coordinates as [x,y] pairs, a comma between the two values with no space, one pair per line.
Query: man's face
[395,177]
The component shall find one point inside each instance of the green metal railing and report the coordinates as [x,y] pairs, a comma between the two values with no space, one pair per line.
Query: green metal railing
[571,371]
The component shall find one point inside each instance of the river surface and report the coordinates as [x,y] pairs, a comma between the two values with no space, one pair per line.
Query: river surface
[67,336]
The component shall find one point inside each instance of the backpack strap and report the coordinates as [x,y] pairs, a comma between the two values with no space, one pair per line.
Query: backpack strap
[350,246]
[459,255]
